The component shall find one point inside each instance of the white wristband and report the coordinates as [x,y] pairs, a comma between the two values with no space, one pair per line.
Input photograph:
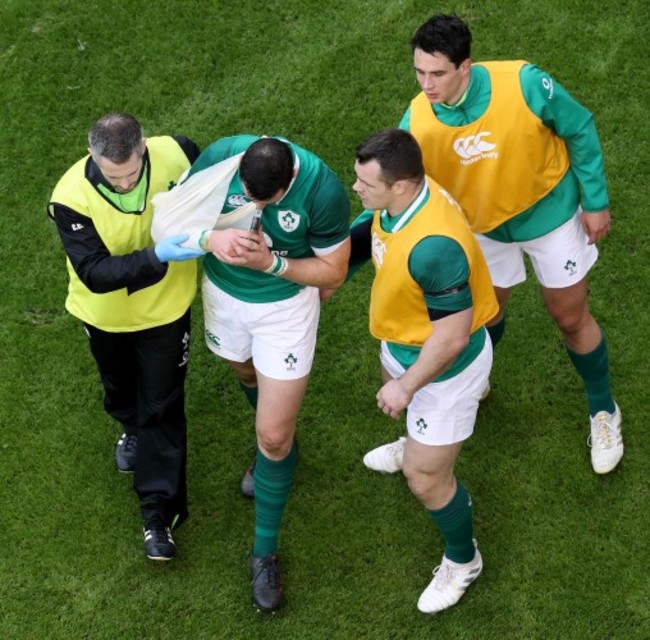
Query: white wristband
[204,239]
[274,265]
[278,266]
[284,265]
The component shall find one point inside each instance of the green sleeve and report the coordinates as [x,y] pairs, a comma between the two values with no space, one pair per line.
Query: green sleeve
[559,111]
[362,217]
[405,122]
[439,265]
[330,212]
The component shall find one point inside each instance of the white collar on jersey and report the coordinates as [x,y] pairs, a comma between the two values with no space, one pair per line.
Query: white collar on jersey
[410,211]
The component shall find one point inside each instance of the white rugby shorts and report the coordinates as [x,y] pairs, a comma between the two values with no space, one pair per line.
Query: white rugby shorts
[443,413]
[560,258]
[280,336]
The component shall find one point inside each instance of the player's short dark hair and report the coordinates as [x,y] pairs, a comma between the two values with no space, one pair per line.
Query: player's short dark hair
[397,153]
[266,168]
[447,35]
[115,137]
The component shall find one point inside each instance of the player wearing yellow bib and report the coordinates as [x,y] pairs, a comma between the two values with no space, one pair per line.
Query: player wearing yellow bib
[523,160]
[134,299]
[261,306]
[430,300]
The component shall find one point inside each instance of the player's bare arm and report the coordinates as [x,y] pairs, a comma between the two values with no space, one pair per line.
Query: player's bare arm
[325,271]
[449,338]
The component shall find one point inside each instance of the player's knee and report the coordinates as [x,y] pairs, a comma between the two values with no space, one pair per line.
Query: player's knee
[568,307]
[276,442]
[431,488]
[420,484]
[571,322]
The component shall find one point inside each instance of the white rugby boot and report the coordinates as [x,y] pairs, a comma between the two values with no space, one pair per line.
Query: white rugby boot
[386,459]
[606,440]
[450,581]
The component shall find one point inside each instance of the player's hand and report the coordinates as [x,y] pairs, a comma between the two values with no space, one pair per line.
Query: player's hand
[170,250]
[230,245]
[253,252]
[596,225]
[393,398]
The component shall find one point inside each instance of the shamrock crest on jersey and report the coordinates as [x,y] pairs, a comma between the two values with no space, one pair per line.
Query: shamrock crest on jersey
[288,220]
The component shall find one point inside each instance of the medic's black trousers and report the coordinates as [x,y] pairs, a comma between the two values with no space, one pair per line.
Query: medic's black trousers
[143,374]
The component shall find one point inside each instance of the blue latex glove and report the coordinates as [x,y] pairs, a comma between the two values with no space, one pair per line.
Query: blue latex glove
[169,250]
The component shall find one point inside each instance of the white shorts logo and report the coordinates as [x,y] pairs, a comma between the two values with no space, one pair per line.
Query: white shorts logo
[289,220]
[473,148]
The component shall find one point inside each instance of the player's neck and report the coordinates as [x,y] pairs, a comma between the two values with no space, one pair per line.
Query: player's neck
[401,202]
[458,100]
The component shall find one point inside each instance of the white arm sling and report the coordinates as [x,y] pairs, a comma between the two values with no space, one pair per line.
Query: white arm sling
[195,205]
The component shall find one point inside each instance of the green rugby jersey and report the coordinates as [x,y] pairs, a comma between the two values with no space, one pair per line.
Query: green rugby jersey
[313,214]
[585,182]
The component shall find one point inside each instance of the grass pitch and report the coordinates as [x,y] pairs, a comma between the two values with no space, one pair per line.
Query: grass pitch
[566,552]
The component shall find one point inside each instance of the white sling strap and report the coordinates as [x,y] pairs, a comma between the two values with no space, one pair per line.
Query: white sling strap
[195,204]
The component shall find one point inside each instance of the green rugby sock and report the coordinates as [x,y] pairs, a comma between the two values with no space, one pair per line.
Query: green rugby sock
[593,368]
[455,524]
[251,395]
[273,482]
[496,331]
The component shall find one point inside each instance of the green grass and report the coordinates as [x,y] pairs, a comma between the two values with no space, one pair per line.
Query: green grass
[566,552]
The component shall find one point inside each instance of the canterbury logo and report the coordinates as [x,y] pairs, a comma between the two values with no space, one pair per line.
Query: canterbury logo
[474,146]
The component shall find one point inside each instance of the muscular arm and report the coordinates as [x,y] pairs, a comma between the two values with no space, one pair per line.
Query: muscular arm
[449,338]
[327,269]
[96,267]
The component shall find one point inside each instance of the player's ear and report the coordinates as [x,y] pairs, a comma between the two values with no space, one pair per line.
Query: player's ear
[399,187]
